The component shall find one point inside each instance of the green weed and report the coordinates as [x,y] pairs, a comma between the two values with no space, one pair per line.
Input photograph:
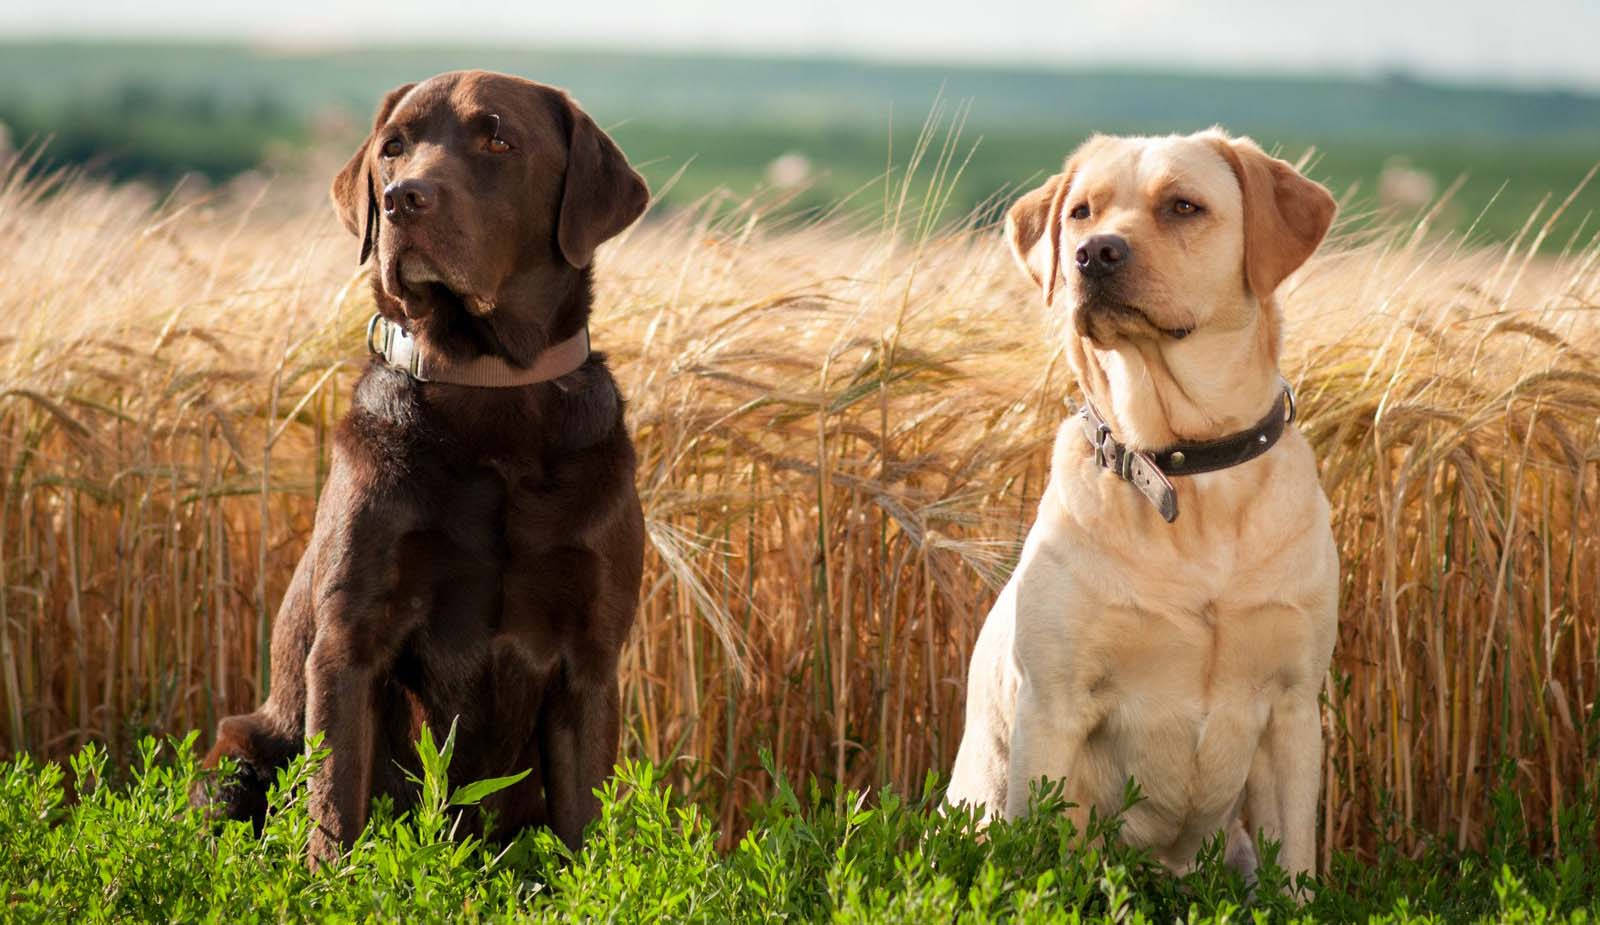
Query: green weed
[76,846]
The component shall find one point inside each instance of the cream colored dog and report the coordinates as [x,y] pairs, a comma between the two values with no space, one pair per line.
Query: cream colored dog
[1186,655]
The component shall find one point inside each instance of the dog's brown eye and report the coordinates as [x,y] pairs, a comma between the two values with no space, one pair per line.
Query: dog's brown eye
[497,146]
[1079,213]
[1184,207]
[393,147]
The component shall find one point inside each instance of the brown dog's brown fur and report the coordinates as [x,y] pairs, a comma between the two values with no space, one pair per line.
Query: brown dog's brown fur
[477,552]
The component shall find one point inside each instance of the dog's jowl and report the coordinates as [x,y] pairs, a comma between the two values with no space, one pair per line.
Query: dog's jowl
[478,546]
[1173,613]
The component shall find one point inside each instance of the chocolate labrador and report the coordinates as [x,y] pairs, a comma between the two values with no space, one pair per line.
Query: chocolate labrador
[478,546]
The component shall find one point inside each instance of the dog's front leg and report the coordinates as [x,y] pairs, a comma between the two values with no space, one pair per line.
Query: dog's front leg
[1053,714]
[1046,740]
[359,630]
[578,742]
[339,704]
[1281,792]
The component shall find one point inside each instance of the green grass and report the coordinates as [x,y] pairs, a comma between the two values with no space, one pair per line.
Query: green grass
[89,844]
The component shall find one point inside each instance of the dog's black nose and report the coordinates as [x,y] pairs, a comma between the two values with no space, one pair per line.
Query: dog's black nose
[1101,255]
[408,197]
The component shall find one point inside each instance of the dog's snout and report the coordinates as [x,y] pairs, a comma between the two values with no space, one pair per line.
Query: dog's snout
[1101,255]
[409,197]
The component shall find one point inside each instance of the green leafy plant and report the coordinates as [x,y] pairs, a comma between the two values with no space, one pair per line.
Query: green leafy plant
[82,844]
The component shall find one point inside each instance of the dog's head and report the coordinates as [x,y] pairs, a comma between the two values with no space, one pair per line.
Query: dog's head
[477,190]
[1162,237]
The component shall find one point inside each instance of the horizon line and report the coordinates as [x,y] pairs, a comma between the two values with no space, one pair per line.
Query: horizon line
[290,46]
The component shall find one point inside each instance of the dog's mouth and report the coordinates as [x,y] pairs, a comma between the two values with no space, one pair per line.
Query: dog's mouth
[422,288]
[1122,317]
[416,269]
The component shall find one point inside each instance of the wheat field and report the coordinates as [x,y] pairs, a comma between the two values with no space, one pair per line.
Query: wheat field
[842,431]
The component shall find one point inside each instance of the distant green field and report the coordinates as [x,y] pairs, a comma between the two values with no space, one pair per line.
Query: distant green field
[159,111]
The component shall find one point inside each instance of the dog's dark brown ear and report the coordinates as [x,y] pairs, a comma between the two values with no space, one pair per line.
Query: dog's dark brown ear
[1033,225]
[353,197]
[601,195]
[1286,215]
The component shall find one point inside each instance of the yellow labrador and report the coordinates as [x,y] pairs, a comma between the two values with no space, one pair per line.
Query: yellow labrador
[1173,613]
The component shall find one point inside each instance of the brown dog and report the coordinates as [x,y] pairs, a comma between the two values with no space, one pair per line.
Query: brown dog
[478,547]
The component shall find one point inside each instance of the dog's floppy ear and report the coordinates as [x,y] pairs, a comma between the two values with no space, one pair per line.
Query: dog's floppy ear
[1033,224]
[353,197]
[1286,215]
[601,194]
[1033,231]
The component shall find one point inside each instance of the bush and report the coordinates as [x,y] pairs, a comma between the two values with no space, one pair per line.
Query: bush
[137,851]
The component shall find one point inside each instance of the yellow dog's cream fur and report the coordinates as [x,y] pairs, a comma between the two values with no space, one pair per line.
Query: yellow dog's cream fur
[1186,656]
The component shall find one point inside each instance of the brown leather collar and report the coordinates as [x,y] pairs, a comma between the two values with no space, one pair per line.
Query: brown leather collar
[1147,470]
[398,349]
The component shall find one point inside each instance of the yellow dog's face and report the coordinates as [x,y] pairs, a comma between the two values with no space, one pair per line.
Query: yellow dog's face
[1163,237]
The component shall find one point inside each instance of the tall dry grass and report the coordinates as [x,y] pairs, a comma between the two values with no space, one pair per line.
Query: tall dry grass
[842,434]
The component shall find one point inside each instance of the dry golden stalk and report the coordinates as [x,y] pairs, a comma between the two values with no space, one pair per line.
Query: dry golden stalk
[841,437]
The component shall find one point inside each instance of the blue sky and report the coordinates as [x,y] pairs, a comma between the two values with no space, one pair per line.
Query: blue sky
[1531,42]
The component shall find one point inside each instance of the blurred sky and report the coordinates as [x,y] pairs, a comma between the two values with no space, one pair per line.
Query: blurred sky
[1524,42]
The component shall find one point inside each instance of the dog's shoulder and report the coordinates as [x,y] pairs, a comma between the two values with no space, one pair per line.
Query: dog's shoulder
[588,407]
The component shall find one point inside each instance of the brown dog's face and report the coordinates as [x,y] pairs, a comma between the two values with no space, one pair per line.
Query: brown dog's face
[1162,237]
[480,190]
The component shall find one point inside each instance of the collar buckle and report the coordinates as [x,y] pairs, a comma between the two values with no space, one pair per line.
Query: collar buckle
[395,345]
[1111,454]
[374,325]
[1106,448]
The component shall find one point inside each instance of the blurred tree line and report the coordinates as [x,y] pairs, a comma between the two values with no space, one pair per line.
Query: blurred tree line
[143,131]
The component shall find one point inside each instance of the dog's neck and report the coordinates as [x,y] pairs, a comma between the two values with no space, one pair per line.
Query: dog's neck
[505,423]
[534,310]
[1154,392]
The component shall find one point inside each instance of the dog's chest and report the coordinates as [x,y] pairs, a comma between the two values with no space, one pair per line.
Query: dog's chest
[1184,702]
[549,577]
[500,540]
